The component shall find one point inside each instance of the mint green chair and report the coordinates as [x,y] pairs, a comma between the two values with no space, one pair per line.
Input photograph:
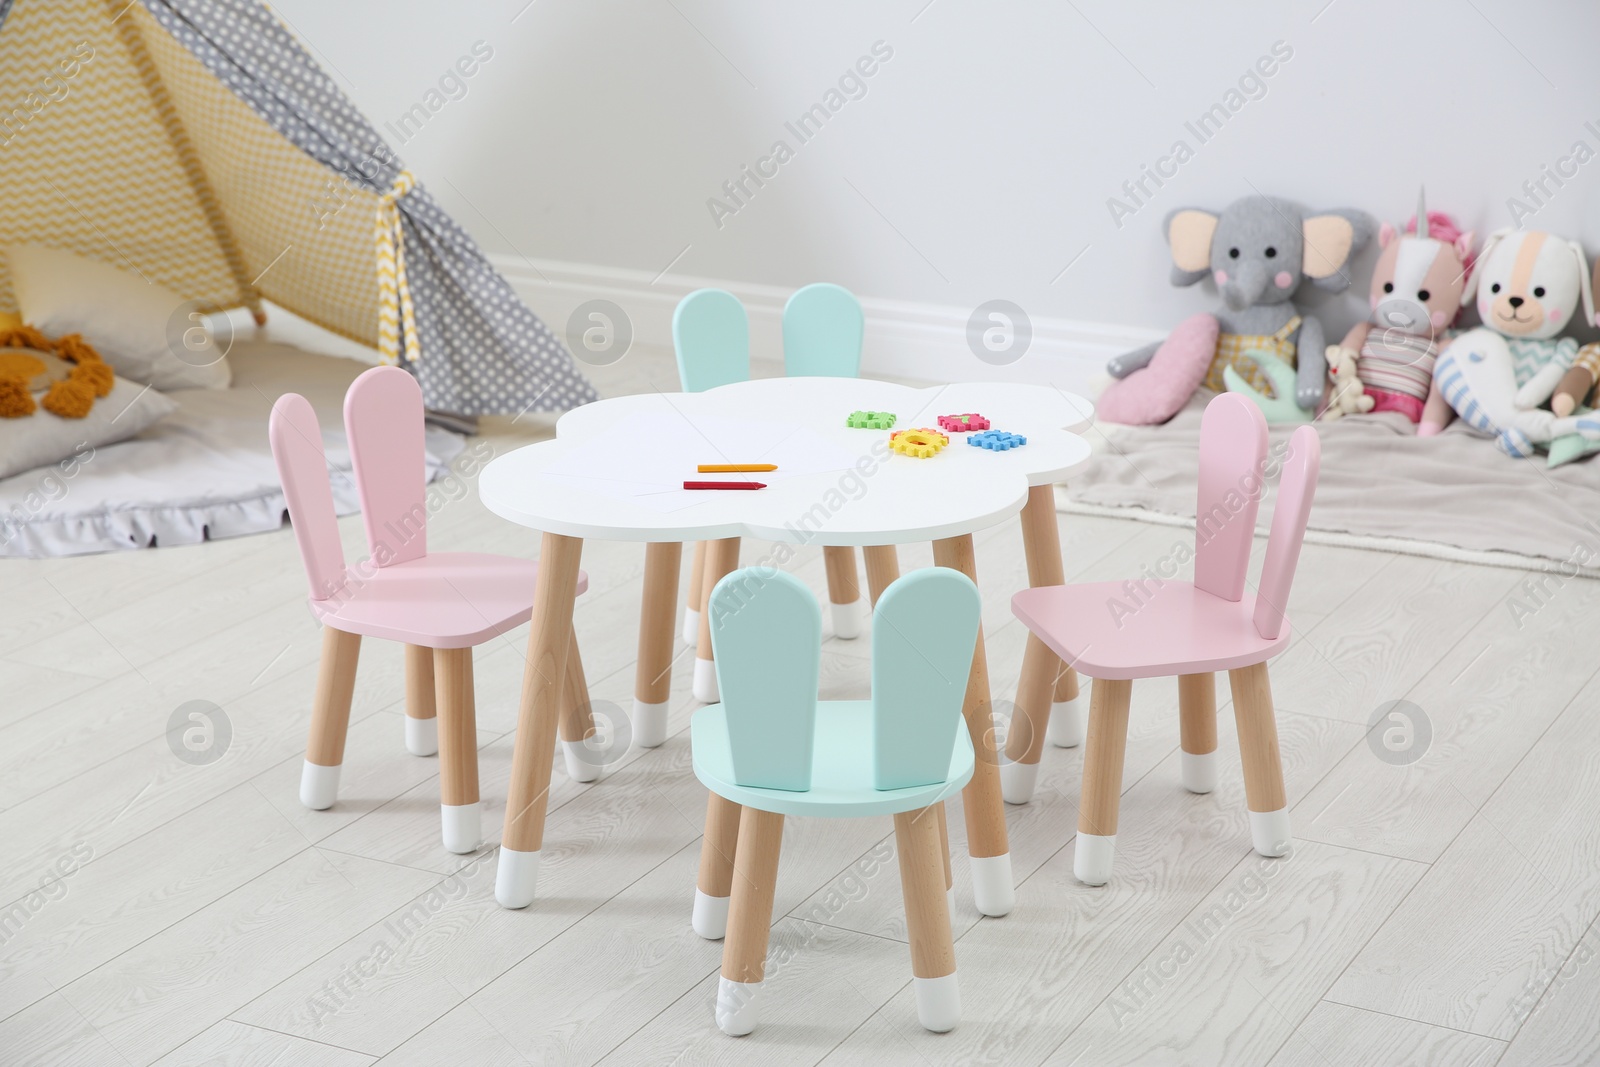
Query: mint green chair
[774,750]
[711,336]
[822,330]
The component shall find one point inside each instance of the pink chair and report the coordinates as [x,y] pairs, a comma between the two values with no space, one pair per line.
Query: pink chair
[1154,626]
[438,604]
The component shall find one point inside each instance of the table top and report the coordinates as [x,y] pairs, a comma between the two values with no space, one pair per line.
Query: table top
[616,467]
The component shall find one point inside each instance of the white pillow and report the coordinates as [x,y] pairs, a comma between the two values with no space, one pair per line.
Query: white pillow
[139,327]
[41,438]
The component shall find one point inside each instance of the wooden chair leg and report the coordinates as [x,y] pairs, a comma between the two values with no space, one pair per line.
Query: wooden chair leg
[1103,753]
[988,848]
[1059,719]
[695,596]
[585,761]
[422,710]
[461,813]
[843,591]
[883,567]
[744,953]
[1263,766]
[944,845]
[721,558]
[652,679]
[330,718]
[715,882]
[1197,724]
[933,953]
[543,679]
[1019,772]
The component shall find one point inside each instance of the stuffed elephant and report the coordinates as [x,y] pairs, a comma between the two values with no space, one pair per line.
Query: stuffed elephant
[1258,251]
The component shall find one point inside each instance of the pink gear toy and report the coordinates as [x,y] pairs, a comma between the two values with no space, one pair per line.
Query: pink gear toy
[963,423]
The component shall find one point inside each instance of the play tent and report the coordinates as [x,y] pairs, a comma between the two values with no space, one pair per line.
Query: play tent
[195,142]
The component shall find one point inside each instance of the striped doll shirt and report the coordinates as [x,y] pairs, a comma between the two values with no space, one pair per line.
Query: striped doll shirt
[1397,362]
[1530,354]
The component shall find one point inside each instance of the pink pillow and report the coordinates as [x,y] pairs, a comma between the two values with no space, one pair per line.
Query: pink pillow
[1159,390]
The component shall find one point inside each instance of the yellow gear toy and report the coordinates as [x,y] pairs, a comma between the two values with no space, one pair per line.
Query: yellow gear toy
[921,443]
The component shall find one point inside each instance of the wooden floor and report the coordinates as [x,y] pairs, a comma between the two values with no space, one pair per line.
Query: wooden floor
[162,911]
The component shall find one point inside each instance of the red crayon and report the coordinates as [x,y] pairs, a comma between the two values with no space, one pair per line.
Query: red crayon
[724,485]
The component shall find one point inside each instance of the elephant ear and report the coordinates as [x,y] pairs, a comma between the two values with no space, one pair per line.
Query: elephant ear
[1330,240]
[1189,233]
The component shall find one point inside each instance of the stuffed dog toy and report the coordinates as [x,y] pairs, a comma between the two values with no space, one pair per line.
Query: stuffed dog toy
[1527,285]
[1258,251]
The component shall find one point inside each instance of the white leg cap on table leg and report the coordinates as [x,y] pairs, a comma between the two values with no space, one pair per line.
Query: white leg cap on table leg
[736,1006]
[1269,832]
[992,889]
[710,918]
[422,736]
[462,825]
[516,877]
[1091,858]
[1066,724]
[319,786]
[1017,781]
[705,680]
[581,765]
[938,1002]
[649,723]
[1199,771]
[846,621]
[691,627]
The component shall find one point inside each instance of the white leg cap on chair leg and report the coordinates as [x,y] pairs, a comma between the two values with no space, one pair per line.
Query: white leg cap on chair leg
[710,918]
[846,621]
[649,723]
[1017,781]
[462,825]
[1091,858]
[1066,724]
[422,736]
[992,889]
[691,627]
[319,786]
[516,877]
[1199,771]
[581,764]
[1269,832]
[705,680]
[736,1006]
[938,1002]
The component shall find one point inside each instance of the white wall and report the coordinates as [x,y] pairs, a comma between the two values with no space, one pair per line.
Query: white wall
[979,162]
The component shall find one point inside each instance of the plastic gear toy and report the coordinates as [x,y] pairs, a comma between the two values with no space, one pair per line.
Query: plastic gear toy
[997,440]
[963,423]
[921,444]
[870,420]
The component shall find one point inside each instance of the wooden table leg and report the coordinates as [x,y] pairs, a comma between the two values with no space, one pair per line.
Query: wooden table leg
[992,888]
[844,591]
[744,953]
[652,679]
[460,810]
[584,763]
[1045,679]
[721,557]
[422,709]
[693,597]
[543,681]
[714,884]
[883,567]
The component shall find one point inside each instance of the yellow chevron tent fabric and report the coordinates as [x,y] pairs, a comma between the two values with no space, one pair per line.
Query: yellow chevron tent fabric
[196,143]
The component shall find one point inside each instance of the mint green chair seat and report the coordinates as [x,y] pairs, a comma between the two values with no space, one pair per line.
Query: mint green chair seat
[771,748]
[822,331]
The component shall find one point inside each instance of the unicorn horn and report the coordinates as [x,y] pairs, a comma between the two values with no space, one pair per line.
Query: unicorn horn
[1422,212]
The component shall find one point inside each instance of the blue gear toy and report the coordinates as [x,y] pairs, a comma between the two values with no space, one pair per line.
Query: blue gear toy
[997,440]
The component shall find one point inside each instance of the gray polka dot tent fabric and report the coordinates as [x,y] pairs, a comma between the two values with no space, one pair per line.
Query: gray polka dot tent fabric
[480,349]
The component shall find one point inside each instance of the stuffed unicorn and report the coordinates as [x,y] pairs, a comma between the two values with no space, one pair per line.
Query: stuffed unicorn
[1527,285]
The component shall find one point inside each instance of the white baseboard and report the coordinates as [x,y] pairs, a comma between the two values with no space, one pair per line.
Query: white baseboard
[903,339]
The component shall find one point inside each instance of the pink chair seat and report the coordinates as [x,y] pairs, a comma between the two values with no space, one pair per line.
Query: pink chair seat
[441,600]
[1176,629]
